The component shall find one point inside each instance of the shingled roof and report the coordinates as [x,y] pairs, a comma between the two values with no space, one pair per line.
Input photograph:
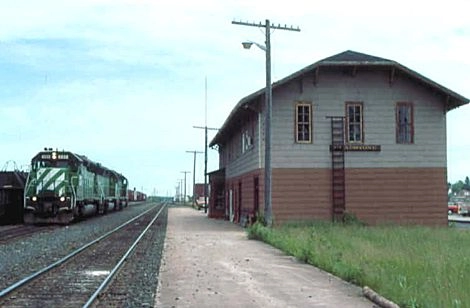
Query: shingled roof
[352,56]
[352,59]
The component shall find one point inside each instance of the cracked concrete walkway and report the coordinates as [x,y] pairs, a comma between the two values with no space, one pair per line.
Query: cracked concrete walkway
[211,263]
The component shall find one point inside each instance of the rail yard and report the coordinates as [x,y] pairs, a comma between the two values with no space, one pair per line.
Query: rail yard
[60,187]
[73,234]
[82,264]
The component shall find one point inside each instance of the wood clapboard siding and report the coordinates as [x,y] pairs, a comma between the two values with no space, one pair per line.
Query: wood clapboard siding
[399,195]
[379,99]
[373,195]
[403,183]
[246,162]
[299,194]
[247,185]
[328,98]
[241,163]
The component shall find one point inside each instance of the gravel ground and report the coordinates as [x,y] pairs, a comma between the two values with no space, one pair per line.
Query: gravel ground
[23,257]
[136,283]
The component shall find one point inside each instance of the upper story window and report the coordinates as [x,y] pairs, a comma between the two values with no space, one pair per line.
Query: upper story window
[247,141]
[354,123]
[404,123]
[303,123]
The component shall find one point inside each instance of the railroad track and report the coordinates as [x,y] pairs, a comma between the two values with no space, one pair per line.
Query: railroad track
[10,233]
[80,277]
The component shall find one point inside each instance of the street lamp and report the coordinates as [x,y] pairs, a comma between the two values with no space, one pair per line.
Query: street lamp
[248,44]
[268,102]
[267,125]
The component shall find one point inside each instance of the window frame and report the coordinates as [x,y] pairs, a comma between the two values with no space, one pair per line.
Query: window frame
[361,122]
[399,126]
[247,140]
[308,123]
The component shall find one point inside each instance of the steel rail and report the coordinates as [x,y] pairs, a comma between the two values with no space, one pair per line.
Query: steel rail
[106,281]
[64,259]
[23,230]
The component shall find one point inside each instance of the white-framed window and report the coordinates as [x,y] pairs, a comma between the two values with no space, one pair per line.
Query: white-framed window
[303,123]
[404,123]
[247,141]
[354,122]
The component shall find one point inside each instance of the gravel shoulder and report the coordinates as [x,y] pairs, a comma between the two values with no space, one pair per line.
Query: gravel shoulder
[25,256]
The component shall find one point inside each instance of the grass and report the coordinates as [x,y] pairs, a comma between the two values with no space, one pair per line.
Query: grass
[412,266]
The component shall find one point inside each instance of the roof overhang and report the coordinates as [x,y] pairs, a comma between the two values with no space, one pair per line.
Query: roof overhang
[452,99]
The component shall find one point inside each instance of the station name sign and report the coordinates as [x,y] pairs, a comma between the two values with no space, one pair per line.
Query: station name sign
[355,147]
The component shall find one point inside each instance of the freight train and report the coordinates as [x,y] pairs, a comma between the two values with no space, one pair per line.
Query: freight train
[11,196]
[63,186]
[134,195]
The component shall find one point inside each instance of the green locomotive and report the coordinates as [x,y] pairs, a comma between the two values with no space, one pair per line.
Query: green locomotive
[63,186]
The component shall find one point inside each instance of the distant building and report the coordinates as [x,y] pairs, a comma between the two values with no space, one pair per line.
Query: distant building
[352,133]
[464,193]
[199,190]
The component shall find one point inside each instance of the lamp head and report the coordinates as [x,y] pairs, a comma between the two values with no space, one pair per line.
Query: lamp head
[247,45]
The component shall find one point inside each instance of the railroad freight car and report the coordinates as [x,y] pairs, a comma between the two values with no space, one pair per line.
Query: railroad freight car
[12,185]
[134,195]
[141,196]
[63,186]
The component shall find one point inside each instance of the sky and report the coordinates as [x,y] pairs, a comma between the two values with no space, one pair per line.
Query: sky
[124,82]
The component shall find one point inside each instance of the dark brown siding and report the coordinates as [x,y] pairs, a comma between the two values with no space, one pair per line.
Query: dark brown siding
[247,193]
[299,194]
[403,195]
[373,195]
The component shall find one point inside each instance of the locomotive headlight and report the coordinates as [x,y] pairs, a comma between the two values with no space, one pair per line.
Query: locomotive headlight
[34,198]
[62,199]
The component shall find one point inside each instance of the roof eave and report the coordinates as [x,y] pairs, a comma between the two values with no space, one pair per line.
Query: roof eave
[454,100]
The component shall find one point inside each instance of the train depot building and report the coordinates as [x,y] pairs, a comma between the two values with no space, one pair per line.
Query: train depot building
[352,134]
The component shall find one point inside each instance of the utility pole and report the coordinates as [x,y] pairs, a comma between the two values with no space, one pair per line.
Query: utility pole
[205,162]
[181,189]
[184,197]
[268,102]
[177,195]
[205,146]
[194,171]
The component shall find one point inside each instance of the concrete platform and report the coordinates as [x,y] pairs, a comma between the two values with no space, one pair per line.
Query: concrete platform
[211,263]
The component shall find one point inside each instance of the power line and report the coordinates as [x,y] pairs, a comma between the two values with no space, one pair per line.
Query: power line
[266,25]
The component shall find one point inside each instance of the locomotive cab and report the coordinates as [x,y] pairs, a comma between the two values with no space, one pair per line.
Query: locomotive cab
[63,186]
[49,193]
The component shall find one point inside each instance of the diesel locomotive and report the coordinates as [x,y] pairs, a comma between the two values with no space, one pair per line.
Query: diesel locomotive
[63,186]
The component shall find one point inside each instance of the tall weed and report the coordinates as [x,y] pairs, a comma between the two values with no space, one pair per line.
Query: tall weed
[412,266]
